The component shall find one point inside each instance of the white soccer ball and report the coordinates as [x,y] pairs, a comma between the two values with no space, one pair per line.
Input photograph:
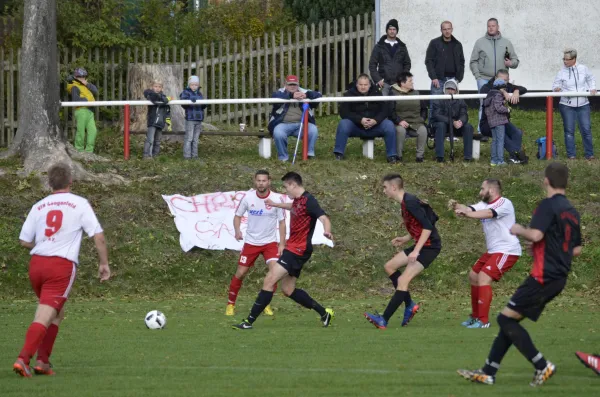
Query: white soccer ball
[155,320]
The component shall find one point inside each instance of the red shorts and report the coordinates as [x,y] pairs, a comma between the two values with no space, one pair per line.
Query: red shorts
[52,278]
[251,252]
[495,265]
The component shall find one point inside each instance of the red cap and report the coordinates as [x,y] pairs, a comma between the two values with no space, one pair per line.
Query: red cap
[291,79]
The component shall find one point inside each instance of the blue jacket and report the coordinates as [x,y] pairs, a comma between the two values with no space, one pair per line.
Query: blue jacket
[193,112]
[280,109]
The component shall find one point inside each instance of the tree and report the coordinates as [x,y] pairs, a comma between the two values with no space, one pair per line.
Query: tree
[313,11]
[38,140]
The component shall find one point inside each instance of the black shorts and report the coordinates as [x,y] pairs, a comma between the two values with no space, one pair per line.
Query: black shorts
[531,297]
[426,256]
[293,263]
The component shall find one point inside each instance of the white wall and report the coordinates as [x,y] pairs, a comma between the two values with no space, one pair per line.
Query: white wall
[538,29]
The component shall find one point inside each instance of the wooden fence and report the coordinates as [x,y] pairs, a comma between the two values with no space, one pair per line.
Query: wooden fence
[325,57]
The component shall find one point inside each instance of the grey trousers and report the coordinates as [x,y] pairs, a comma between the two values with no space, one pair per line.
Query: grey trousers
[152,144]
[190,141]
[420,134]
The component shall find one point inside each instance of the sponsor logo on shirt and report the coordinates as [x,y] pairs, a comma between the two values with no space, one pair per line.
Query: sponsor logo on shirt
[256,212]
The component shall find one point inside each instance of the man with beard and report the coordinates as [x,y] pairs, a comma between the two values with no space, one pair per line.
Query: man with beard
[264,221]
[497,216]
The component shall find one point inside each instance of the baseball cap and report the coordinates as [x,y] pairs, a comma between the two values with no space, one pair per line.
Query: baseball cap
[291,79]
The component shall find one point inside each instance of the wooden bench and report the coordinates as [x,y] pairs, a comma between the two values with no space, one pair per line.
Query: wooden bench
[264,142]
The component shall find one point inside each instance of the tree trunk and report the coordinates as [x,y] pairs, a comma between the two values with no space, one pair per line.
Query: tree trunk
[38,140]
[140,79]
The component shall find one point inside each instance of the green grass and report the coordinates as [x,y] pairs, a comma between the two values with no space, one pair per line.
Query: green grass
[144,243]
[103,349]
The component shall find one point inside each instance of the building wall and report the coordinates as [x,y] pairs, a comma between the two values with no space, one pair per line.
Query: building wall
[538,29]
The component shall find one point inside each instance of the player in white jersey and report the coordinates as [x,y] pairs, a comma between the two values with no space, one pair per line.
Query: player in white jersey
[53,231]
[264,222]
[497,216]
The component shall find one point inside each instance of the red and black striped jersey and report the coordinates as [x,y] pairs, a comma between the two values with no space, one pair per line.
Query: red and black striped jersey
[304,214]
[560,222]
[415,220]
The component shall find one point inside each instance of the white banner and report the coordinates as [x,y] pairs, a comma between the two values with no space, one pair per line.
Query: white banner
[206,221]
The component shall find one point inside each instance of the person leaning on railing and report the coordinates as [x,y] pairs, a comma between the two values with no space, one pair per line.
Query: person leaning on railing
[83,91]
[575,77]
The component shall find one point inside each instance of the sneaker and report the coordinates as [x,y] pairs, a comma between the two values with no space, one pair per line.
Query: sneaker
[541,376]
[268,311]
[338,156]
[513,160]
[21,368]
[377,320]
[477,376]
[419,159]
[245,324]
[43,368]
[393,159]
[468,321]
[409,313]
[439,159]
[521,156]
[230,309]
[479,324]
[327,317]
[591,158]
[484,138]
[493,164]
[590,360]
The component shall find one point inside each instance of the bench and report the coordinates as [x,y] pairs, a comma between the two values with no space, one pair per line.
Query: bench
[264,143]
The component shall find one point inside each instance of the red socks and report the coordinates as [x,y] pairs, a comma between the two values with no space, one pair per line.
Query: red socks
[474,300]
[234,288]
[485,301]
[33,338]
[45,349]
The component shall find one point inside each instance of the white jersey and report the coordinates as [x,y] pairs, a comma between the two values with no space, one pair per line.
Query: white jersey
[497,229]
[56,224]
[263,220]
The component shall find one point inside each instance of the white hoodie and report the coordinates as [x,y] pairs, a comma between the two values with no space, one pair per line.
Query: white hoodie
[577,78]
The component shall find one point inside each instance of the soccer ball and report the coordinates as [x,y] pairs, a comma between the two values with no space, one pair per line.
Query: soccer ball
[155,320]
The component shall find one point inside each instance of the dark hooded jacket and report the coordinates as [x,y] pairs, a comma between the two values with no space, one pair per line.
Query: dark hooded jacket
[355,111]
[384,65]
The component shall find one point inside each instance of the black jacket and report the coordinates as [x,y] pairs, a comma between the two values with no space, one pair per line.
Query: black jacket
[434,59]
[158,113]
[383,66]
[355,111]
[484,126]
[452,110]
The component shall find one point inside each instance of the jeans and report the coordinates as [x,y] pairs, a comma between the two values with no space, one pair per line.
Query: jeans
[480,83]
[440,134]
[347,129]
[437,91]
[420,134]
[85,121]
[284,130]
[152,144]
[513,139]
[498,144]
[190,141]
[582,115]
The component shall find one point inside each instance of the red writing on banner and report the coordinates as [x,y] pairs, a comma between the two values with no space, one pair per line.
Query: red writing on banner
[207,203]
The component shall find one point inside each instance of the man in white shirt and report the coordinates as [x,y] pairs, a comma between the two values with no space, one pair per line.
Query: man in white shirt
[497,216]
[53,231]
[264,222]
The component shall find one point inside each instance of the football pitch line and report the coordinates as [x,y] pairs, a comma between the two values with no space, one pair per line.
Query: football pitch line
[310,370]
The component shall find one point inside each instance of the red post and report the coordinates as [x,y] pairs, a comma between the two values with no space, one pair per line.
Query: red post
[549,125]
[305,137]
[126,132]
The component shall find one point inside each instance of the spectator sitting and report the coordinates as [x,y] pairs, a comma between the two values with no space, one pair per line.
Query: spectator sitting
[286,117]
[156,118]
[388,58]
[513,136]
[497,117]
[407,116]
[194,115]
[452,114]
[366,120]
[575,77]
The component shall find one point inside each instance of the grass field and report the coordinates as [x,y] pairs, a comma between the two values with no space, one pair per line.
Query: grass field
[104,349]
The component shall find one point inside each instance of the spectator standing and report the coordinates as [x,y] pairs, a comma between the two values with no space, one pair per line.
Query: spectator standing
[194,115]
[389,58]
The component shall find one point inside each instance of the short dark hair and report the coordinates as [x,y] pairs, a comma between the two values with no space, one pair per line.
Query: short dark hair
[495,183]
[502,71]
[396,178]
[444,23]
[292,177]
[403,77]
[262,172]
[363,76]
[557,174]
[59,176]
[495,20]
